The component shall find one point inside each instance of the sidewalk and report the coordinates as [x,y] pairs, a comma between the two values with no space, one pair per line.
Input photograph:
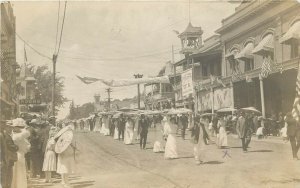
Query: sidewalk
[269,139]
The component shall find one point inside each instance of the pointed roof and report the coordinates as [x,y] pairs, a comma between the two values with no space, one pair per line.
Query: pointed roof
[191,30]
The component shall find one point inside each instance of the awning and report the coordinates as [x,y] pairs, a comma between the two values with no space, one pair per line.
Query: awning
[266,45]
[246,52]
[292,33]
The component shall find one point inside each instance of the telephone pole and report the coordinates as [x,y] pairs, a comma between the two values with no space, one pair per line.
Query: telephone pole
[53,85]
[108,90]
[138,88]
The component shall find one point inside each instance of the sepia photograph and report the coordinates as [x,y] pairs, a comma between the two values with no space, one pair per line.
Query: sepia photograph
[150,94]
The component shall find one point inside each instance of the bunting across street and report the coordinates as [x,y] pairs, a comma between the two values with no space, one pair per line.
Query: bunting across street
[125,82]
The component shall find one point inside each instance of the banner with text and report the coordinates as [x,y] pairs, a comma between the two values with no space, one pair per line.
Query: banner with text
[187,83]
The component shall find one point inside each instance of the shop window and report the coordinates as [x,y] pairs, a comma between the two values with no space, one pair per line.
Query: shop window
[249,64]
[295,50]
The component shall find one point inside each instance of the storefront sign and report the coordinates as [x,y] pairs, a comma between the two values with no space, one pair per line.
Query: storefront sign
[204,101]
[222,98]
[30,101]
[187,83]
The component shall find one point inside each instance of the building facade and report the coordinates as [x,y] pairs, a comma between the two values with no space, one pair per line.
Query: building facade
[252,61]
[8,100]
[260,57]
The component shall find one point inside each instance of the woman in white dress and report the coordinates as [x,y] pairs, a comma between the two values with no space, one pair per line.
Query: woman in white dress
[49,164]
[116,132]
[86,125]
[105,123]
[170,132]
[66,163]
[97,127]
[129,128]
[222,136]
[19,137]
[159,131]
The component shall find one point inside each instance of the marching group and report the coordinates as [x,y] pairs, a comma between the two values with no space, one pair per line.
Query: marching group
[33,148]
[28,151]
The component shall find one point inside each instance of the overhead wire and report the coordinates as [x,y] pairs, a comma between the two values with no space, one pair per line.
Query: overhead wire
[62,28]
[58,13]
[35,50]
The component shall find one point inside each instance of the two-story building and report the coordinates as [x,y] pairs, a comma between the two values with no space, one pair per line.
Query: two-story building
[260,54]
[159,96]
[8,99]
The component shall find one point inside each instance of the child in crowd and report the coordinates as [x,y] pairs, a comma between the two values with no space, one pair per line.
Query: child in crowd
[260,132]
[49,164]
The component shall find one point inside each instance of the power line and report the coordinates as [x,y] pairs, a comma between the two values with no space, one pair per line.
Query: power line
[35,50]
[58,12]
[62,27]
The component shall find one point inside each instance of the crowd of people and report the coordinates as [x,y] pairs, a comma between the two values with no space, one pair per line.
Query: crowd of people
[33,148]
[28,151]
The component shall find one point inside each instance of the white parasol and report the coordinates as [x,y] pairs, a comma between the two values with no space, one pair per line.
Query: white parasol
[251,109]
[64,141]
[227,109]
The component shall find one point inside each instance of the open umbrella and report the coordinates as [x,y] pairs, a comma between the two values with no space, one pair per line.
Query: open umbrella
[251,109]
[206,114]
[227,109]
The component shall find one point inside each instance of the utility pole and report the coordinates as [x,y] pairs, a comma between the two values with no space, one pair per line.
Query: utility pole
[138,88]
[108,90]
[53,85]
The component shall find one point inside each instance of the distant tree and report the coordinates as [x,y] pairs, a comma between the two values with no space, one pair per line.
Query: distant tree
[73,113]
[44,84]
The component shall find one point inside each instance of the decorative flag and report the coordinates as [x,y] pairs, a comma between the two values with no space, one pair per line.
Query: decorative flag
[296,106]
[87,80]
[266,67]
[125,82]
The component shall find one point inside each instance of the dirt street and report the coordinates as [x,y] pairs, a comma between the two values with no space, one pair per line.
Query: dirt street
[108,163]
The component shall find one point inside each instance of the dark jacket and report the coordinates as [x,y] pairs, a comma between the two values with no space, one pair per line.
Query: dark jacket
[292,127]
[10,149]
[143,126]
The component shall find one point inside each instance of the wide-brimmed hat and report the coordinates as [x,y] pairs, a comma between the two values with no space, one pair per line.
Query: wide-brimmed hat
[18,122]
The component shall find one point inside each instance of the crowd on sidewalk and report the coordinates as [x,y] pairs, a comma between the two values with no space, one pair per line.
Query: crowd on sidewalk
[28,151]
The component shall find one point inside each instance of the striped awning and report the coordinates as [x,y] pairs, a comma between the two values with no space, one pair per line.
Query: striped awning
[246,52]
[292,33]
[266,45]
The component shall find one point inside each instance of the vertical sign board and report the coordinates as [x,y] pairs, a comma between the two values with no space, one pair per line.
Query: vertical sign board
[222,98]
[187,83]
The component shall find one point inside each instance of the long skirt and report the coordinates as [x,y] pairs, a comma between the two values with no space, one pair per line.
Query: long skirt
[49,161]
[19,173]
[116,134]
[222,138]
[199,150]
[171,148]
[65,162]
[128,136]
[97,127]
[105,129]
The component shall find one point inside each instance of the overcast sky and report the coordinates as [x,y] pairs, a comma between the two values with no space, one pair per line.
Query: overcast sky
[110,40]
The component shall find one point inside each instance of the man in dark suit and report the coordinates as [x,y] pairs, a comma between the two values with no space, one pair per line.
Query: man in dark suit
[184,124]
[121,126]
[143,131]
[293,132]
[8,155]
[242,130]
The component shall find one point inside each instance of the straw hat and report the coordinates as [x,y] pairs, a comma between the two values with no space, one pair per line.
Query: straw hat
[18,122]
